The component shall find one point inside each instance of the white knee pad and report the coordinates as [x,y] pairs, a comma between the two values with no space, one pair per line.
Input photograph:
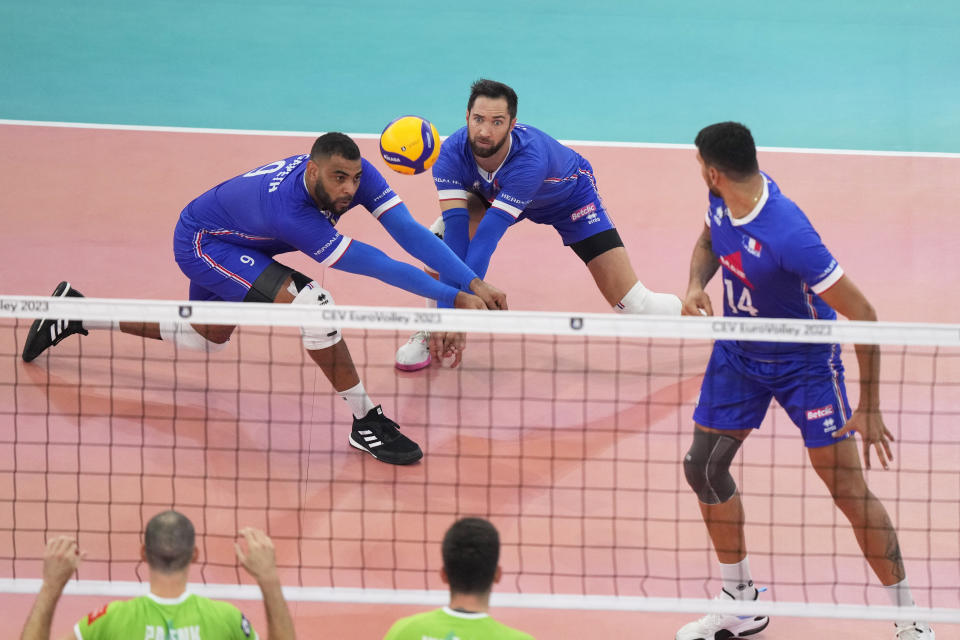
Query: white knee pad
[186,337]
[315,337]
[643,301]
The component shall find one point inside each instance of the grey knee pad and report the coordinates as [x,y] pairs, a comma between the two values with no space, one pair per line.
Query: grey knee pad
[707,466]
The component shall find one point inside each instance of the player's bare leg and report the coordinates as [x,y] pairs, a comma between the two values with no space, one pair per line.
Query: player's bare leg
[838,466]
[706,468]
[724,521]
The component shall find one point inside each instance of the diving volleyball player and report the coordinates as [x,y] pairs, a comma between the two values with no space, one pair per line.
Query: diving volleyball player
[494,172]
[225,243]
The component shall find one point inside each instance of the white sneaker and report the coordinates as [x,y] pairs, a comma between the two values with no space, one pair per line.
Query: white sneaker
[415,354]
[914,631]
[719,626]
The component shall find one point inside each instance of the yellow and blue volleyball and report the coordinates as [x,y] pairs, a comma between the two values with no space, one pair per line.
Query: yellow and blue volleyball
[410,145]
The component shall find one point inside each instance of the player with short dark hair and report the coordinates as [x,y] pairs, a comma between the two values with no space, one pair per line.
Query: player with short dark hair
[471,556]
[225,243]
[494,172]
[169,610]
[775,266]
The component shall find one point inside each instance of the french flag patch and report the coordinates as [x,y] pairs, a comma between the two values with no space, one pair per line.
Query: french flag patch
[752,246]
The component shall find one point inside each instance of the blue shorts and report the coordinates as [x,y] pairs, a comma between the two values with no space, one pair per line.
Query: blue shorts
[218,270]
[737,389]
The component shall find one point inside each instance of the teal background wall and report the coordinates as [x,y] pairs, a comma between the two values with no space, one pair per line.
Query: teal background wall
[830,74]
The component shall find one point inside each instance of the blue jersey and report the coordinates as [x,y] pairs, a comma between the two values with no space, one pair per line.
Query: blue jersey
[540,178]
[270,209]
[774,266]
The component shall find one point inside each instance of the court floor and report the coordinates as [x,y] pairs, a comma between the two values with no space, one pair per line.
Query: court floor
[98,207]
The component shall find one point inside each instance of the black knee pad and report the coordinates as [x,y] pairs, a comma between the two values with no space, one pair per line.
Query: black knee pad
[589,248]
[707,466]
[268,283]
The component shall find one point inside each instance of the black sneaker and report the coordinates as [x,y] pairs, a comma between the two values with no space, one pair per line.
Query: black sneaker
[45,333]
[380,436]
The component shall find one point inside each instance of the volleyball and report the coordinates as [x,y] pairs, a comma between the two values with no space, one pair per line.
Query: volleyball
[410,145]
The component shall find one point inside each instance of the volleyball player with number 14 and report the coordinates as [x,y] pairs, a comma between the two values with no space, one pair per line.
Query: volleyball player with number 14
[775,266]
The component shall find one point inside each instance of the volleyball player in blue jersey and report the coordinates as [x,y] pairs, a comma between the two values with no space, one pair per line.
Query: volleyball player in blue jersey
[226,240]
[494,172]
[774,265]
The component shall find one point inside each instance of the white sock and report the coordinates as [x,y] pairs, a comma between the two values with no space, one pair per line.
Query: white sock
[358,400]
[900,596]
[101,324]
[737,581]
[641,300]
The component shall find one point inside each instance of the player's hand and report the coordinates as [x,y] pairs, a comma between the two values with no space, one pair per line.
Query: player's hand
[60,560]
[697,303]
[260,558]
[869,424]
[444,344]
[466,300]
[493,297]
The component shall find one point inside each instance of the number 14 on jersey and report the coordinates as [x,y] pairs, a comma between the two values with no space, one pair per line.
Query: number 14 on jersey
[744,304]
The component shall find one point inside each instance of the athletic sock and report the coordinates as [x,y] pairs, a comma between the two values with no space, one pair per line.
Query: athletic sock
[900,596]
[737,581]
[358,400]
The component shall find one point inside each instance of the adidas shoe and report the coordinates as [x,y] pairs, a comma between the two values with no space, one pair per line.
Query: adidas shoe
[415,354]
[720,626]
[45,333]
[914,631]
[380,436]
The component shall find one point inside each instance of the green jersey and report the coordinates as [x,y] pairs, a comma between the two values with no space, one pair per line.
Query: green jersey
[447,624]
[150,617]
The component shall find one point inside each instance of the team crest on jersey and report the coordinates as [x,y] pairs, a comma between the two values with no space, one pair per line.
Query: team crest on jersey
[752,246]
[734,264]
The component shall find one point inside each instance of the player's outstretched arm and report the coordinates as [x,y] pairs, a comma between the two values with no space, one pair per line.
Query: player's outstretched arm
[260,562]
[422,244]
[369,261]
[847,300]
[703,264]
[494,224]
[60,560]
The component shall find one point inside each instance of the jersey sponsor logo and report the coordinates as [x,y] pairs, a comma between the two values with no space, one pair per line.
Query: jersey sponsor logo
[245,625]
[734,264]
[181,633]
[439,180]
[99,613]
[829,425]
[828,270]
[822,412]
[336,238]
[516,201]
[752,246]
[382,194]
[590,211]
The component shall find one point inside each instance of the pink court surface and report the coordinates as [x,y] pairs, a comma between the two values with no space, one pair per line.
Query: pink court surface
[97,207]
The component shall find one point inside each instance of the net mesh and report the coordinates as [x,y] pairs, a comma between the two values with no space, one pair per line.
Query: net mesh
[566,431]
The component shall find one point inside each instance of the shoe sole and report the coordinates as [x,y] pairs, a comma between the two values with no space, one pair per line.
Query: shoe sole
[413,457]
[415,366]
[62,290]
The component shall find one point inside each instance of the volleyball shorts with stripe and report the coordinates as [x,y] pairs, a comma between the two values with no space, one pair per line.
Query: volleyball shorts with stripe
[218,267]
[737,390]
